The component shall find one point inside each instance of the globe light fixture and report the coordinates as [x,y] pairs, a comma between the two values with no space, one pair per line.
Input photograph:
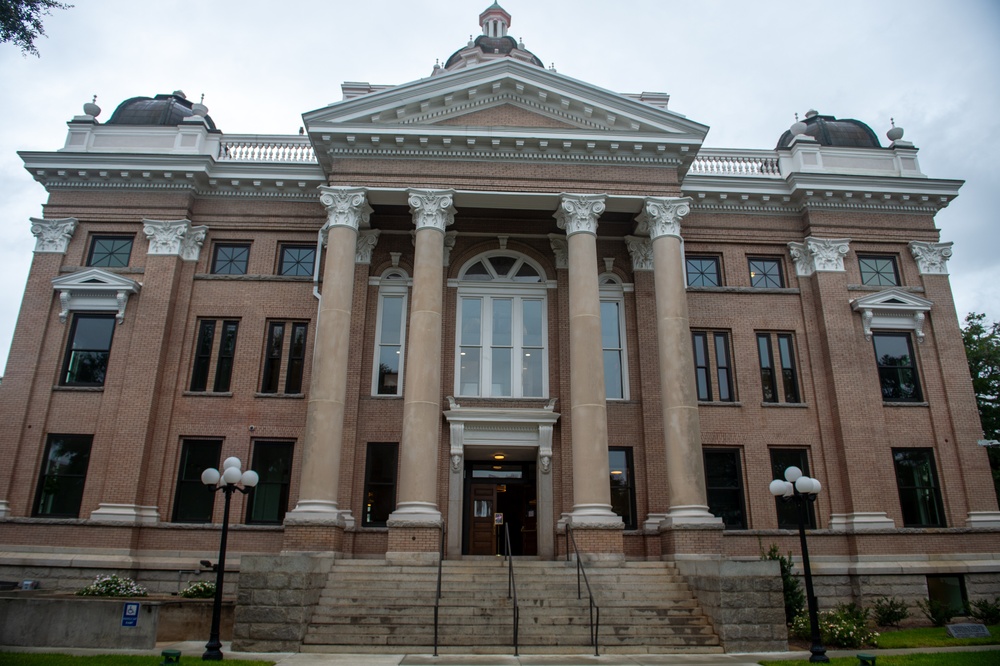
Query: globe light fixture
[229,480]
[801,490]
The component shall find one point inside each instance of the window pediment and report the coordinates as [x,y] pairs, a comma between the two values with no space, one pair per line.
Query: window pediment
[94,290]
[892,309]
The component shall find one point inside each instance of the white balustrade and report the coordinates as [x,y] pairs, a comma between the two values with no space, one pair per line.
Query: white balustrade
[709,163]
[263,149]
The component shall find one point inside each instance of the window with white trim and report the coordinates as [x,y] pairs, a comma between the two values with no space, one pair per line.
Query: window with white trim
[613,338]
[501,328]
[390,334]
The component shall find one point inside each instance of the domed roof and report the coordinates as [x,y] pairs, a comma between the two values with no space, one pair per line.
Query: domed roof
[831,131]
[492,44]
[163,110]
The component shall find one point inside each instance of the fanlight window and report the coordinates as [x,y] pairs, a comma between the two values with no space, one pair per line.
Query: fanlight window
[501,337]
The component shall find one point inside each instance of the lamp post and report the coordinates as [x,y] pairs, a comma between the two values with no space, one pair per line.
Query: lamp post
[802,489]
[228,481]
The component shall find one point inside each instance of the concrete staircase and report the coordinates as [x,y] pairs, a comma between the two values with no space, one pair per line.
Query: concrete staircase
[373,606]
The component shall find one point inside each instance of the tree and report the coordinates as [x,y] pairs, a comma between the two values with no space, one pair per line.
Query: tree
[982,347]
[21,21]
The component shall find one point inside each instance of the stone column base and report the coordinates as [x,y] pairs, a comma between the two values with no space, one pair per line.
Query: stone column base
[125,513]
[983,519]
[861,520]
[313,538]
[703,539]
[597,544]
[413,544]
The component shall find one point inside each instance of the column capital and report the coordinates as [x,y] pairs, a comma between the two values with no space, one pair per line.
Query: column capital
[641,251]
[431,208]
[52,236]
[345,207]
[560,249]
[578,213]
[661,216]
[932,258]
[174,238]
[367,240]
[824,255]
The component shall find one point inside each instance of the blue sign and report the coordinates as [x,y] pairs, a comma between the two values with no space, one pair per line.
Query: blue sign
[130,614]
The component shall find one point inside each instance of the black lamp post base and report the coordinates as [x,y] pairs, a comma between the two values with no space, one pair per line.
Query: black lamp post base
[213,651]
[818,655]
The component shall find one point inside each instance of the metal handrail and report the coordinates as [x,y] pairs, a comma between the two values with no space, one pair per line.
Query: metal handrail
[437,598]
[511,584]
[581,570]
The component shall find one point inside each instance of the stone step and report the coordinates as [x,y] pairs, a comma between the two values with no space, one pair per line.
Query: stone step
[584,652]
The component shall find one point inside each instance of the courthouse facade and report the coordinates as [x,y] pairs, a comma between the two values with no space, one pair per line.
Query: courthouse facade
[493,295]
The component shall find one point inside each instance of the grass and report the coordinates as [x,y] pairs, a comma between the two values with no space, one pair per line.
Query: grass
[48,659]
[988,658]
[932,637]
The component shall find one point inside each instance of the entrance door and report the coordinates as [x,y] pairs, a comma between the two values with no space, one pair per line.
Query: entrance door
[482,531]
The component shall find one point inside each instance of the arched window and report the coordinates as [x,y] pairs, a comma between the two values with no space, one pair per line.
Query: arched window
[390,334]
[501,337]
[613,337]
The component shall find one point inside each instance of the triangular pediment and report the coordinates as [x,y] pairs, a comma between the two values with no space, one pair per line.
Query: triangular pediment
[892,309]
[507,109]
[892,299]
[94,290]
[95,279]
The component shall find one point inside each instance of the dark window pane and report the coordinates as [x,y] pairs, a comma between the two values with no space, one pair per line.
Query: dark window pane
[724,486]
[110,251]
[765,273]
[919,494]
[272,357]
[227,350]
[782,459]
[89,348]
[701,369]
[380,483]
[231,259]
[63,475]
[897,371]
[948,590]
[767,379]
[723,370]
[788,379]
[502,265]
[296,359]
[268,502]
[202,355]
[622,485]
[297,259]
[702,271]
[195,501]
[878,271]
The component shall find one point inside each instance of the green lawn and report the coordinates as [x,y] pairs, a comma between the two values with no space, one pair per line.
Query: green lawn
[35,659]
[933,637]
[989,658]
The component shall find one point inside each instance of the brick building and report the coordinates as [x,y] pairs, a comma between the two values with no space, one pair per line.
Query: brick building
[495,290]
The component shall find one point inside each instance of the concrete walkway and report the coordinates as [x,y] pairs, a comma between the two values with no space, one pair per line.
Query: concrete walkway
[192,650]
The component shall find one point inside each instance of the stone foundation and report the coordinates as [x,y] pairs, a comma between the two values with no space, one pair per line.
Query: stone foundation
[690,539]
[743,599]
[322,538]
[275,601]
[414,545]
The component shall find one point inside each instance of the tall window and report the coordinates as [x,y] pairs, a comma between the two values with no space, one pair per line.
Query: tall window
[194,501]
[230,259]
[622,484]
[62,477]
[919,493]
[613,338]
[387,375]
[208,330]
[380,483]
[268,501]
[782,459]
[765,273]
[724,486]
[703,271]
[87,352]
[284,340]
[778,378]
[110,251]
[712,365]
[501,329]
[878,271]
[897,369]
[297,260]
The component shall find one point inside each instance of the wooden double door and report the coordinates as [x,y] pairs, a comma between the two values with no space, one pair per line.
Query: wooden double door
[499,498]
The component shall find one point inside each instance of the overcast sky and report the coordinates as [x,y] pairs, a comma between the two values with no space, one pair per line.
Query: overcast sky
[743,68]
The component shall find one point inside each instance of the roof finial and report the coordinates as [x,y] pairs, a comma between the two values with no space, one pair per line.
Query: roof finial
[200,109]
[91,108]
[895,133]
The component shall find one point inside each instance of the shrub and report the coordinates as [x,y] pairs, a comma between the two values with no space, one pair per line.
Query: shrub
[795,598]
[937,612]
[845,626]
[201,589]
[985,611]
[889,612]
[112,586]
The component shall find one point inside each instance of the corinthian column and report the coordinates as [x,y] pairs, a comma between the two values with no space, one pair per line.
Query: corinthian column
[578,215]
[416,506]
[347,210]
[681,428]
